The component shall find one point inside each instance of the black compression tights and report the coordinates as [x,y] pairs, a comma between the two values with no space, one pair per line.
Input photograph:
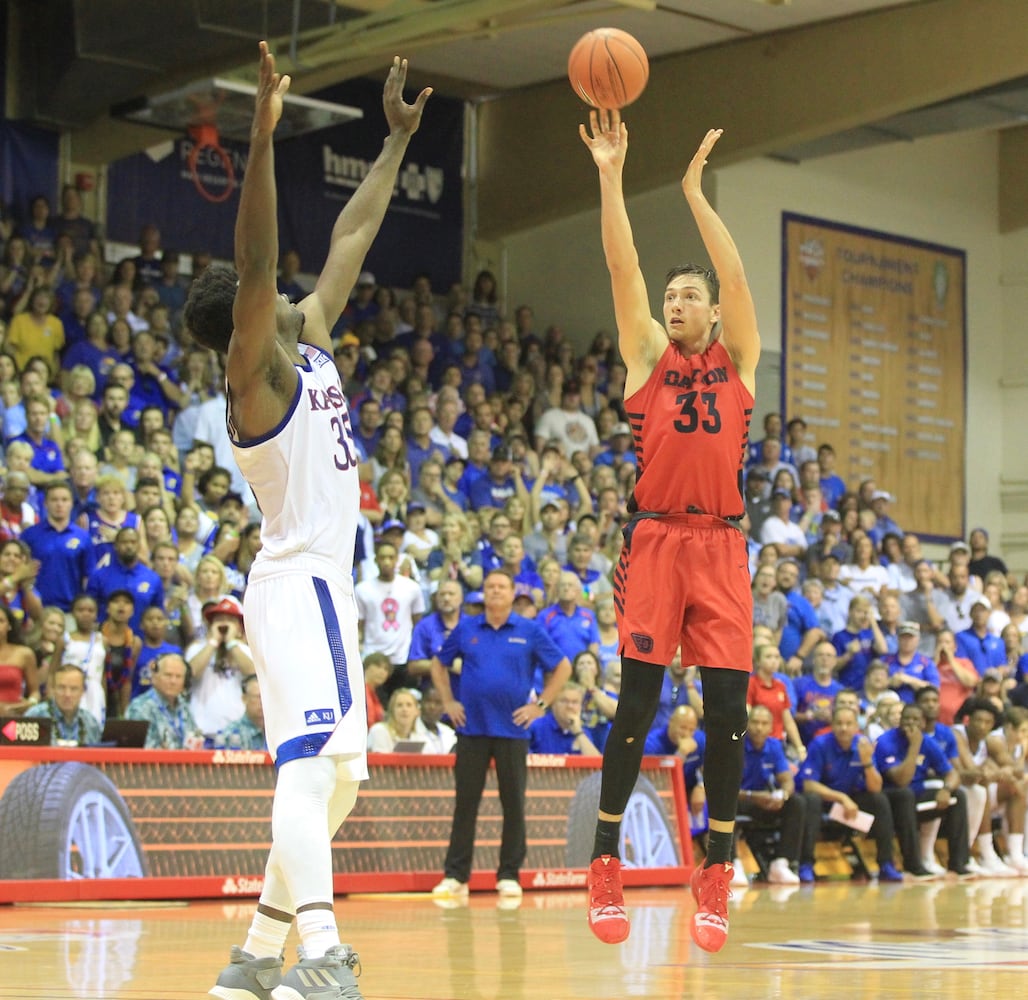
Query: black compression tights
[724,708]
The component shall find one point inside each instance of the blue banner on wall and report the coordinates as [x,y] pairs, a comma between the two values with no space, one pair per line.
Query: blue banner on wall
[317,174]
[28,155]
[163,186]
[28,166]
[422,230]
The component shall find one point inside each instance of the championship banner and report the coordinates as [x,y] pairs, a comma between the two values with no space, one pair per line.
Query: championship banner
[874,358]
[146,824]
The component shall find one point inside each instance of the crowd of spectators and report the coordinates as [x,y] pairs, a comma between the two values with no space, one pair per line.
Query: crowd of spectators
[127,531]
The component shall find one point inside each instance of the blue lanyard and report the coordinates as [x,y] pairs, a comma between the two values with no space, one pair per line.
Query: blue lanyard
[177,723]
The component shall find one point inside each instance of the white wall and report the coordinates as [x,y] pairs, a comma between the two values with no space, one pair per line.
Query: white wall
[1014,393]
[941,190]
[559,268]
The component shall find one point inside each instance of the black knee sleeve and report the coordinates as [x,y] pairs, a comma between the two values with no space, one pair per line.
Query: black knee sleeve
[724,722]
[637,705]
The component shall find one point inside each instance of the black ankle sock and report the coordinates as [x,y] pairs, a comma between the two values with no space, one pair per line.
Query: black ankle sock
[719,848]
[608,834]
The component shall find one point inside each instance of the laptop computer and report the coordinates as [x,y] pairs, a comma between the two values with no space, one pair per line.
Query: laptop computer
[18,732]
[409,746]
[124,733]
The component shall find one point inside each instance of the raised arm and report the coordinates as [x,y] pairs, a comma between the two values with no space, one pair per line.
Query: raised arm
[253,348]
[641,339]
[359,221]
[738,316]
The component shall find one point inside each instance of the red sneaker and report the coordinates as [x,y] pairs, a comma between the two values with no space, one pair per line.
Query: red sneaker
[607,917]
[710,889]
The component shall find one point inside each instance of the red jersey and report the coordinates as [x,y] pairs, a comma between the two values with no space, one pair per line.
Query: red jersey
[774,697]
[690,424]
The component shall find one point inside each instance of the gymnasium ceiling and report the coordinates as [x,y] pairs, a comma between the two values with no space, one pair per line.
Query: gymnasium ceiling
[908,70]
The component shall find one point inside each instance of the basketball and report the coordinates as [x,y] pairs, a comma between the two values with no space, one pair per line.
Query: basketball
[608,68]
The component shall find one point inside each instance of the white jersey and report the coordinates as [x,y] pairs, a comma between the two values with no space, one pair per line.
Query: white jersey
[981,754]
[304,472]
[301,617]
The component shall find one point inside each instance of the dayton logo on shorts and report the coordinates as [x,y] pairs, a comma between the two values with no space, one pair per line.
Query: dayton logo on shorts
[642,642]
[319,716]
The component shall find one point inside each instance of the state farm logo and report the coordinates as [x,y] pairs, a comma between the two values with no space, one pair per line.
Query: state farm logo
[238,757]
[566,879]
[812,257]
[242,886]
[547,760]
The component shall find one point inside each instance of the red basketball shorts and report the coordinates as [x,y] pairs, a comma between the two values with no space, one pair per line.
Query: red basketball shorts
[684,580]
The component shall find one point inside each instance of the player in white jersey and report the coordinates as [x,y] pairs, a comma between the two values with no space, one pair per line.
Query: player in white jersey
[1012,788]
[996,752]
[290,427]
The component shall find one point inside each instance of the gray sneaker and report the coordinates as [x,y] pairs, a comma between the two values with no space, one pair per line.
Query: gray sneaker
[248,978]
[331,977]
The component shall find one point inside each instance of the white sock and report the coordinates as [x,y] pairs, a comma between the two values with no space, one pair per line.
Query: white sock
[928,842]
[977,802]
[1015,845]
[318,931]
[267,936]
[986,850]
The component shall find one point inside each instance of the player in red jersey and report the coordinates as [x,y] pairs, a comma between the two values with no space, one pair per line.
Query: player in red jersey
[682,577]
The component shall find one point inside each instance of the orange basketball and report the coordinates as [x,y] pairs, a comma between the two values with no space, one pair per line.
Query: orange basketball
[608,68]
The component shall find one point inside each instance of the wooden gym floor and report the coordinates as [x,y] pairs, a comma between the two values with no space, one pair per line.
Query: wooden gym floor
[945,939]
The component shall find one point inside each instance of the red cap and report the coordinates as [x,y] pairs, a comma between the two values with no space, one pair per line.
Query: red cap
[227,605]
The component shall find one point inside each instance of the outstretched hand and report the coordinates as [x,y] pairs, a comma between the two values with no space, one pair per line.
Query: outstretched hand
[609,139]
[402,117]
[271,89]
[694,172]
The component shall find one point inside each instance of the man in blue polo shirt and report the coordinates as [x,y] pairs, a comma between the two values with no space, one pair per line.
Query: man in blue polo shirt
[767,793]
[801,632]
[910,671]
[927,700]
[572,627]
[977,643]
[47,464]
[500,652]
[431,631]
[683,738]
[839,768]
[560,730]
[63,549]
[498,484]
[910,760]
[126,572]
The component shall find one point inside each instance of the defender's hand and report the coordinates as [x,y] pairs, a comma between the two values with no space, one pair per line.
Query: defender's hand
[271,89]
[402,117]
